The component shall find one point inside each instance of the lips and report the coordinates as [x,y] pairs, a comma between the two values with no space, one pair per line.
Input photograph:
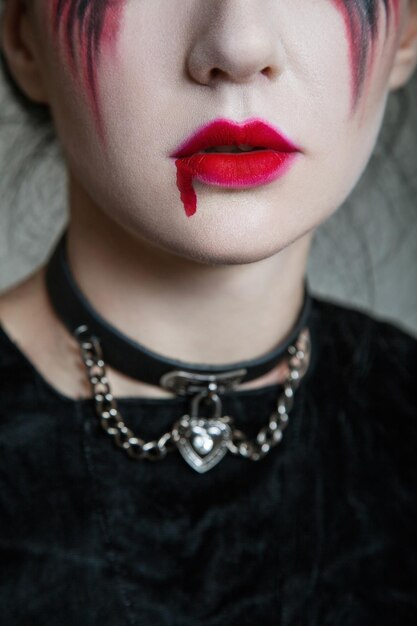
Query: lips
[271,159]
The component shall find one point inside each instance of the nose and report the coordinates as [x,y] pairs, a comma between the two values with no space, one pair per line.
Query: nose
[235,41]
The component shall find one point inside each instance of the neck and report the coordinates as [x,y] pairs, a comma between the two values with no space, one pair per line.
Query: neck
[186,310]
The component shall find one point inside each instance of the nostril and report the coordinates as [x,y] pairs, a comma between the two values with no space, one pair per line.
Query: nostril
[215,72]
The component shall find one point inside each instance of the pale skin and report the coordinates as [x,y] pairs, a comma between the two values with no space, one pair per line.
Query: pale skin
[226,284]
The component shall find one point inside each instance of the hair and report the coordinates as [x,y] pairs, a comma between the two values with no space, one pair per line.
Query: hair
[362,19]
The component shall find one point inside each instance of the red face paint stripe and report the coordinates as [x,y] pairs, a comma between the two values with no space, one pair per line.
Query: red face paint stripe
[351,26]
[87,29]
[361,18]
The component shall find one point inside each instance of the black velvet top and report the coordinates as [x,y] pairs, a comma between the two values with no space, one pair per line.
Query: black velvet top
[321,532]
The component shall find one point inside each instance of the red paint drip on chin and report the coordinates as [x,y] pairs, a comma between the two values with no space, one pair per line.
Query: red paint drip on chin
[185,187]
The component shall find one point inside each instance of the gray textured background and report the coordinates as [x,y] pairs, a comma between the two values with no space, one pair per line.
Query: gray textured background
[365,255]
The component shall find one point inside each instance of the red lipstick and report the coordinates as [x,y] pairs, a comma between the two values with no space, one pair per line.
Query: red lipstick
[253,153]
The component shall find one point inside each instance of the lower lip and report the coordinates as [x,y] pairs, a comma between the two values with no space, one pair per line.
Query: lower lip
[234,171]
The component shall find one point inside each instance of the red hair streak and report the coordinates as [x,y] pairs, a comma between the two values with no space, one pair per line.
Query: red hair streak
[86,30]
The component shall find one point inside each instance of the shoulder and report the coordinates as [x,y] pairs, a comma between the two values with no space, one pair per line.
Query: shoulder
[374,359]
[28,405]
[10,311]
[361,332]
[21,318]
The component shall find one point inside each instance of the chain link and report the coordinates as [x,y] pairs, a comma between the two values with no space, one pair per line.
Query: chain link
[254,449]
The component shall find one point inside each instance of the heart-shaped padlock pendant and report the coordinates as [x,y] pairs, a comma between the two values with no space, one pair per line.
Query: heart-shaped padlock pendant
[202,441]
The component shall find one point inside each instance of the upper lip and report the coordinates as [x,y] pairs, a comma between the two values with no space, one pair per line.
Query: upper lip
[224,132]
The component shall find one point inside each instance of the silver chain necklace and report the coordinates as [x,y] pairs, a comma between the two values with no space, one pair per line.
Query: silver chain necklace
[202,441]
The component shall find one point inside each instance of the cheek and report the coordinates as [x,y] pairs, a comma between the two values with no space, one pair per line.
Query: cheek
[83,30]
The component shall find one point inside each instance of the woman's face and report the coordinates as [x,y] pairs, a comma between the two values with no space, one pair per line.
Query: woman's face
[129,81]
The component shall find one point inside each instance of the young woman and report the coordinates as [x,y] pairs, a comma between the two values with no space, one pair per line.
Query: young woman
[187,436]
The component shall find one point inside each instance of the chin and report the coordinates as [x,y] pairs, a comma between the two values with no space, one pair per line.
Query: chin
[228,228]
[215,256]
[219,246]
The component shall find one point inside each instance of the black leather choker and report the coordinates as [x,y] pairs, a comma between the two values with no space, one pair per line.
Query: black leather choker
[132,358]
